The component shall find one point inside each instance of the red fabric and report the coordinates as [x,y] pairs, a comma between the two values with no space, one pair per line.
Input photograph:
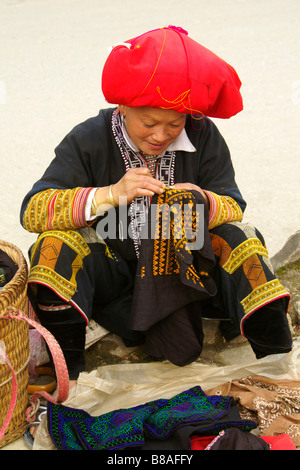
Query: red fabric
[165,68]
[201,442]
[281,442]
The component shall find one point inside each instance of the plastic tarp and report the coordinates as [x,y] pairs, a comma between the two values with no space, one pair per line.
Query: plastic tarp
[125,385]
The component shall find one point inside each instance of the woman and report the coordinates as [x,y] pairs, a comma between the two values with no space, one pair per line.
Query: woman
[158,142]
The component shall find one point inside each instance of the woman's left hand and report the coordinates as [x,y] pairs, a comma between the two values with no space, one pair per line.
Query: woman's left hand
[191,187]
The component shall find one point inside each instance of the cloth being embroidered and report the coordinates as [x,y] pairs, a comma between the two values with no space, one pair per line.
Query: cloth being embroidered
[173,276]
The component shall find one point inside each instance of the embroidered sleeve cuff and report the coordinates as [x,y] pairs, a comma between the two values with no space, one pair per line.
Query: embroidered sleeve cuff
[223,209]
[79,207]
[57,209]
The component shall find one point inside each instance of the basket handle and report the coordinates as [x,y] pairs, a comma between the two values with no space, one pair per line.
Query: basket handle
[60,368]
[13,400]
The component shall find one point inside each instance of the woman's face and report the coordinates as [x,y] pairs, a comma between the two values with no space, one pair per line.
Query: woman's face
[152,130]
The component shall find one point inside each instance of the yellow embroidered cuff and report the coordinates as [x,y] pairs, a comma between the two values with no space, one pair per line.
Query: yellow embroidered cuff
[56,209]
[223,209]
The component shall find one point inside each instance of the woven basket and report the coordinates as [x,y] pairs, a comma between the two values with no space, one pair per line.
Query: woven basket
[14,335]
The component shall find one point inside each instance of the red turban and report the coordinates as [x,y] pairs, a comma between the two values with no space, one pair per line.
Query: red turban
[165,68]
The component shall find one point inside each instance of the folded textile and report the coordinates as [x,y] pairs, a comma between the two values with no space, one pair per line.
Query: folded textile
[273,404]
[160,424]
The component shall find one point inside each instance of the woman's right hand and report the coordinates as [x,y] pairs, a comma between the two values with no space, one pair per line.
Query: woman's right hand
[135,182]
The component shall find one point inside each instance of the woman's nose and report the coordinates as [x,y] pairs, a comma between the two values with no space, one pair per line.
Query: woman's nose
[160,135]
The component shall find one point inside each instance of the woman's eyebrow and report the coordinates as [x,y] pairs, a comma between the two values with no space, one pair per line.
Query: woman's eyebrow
[148,116]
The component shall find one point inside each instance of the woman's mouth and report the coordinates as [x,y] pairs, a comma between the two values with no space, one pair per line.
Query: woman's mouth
[157,146]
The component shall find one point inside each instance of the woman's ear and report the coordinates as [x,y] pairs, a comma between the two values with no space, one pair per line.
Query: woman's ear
[122,110]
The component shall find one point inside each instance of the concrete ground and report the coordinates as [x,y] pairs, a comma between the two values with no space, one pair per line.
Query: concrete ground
[50,67]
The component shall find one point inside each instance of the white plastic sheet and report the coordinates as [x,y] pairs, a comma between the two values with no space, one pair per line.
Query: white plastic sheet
[125,385]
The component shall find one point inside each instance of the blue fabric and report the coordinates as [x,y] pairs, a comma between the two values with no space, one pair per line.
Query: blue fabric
[72,429]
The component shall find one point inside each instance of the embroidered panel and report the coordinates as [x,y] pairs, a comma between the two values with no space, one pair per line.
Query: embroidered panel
[55,209]
[48,261]
[262,295]
[172,223]
[75,429]
[243,252]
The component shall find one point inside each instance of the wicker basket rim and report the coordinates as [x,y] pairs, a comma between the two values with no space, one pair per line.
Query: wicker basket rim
[16,285]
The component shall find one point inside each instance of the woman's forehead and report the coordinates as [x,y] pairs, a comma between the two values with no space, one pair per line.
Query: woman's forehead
[157,114]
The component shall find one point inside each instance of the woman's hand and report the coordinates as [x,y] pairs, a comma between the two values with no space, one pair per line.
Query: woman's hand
[135,182]
[190,187]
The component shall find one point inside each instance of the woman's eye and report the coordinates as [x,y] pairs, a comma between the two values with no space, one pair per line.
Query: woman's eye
[148,125]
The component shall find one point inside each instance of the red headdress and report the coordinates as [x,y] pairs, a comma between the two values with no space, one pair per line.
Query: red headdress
[165,68]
